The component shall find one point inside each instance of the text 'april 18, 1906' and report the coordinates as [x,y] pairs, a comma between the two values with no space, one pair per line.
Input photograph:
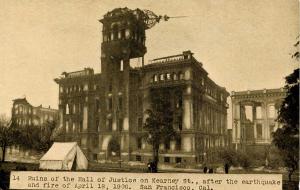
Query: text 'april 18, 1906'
[154,181]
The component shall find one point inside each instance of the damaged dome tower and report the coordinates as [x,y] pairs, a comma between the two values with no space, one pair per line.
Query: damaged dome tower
[124,33]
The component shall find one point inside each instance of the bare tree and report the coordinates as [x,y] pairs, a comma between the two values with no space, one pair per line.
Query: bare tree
[6,134]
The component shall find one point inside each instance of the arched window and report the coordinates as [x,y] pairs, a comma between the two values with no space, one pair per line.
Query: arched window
[161,77]
[168,75]
[115,33]
[67,109]
[74,127]
[127,33]
[105,38]
[178,99]
[122,34]
[67,126]
[86,87]
[109,35]
[121,65]
[175,77]
[155,78]
[181,76]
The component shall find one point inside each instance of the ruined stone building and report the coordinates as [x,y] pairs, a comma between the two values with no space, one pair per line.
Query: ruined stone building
[23,113]
[254,116]
[105,112]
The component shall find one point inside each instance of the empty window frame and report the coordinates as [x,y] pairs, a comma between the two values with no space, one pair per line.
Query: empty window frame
[181,76]
[179,122]
[249,113]
[120,103]
[97,105]
[168,76]
[259,131]
[178,144]
[178,160]
[271,111]
[167,159]
[140,123]
[95,157]
[120,124]
[167,145]
[138,158]
[258,112]
[121,65]
[139,143]
[109,124]
[175,77]
[110,103]
[67,109]
[161,77]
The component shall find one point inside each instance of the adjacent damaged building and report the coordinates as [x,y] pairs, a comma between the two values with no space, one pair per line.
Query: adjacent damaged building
[23,113]
[254,116]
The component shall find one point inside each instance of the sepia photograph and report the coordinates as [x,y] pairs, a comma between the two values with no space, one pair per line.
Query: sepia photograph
[175,88]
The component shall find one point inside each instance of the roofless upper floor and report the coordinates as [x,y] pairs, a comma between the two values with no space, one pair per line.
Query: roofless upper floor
[170,70]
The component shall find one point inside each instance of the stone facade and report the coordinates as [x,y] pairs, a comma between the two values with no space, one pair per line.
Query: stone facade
[105,112]
[254,116]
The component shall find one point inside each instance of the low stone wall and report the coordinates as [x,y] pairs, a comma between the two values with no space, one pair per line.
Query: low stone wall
[18,154]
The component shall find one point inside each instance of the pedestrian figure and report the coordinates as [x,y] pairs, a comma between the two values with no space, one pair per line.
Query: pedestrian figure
[205,170]
[226,168]
[149,166]
[210,170]
[154,167]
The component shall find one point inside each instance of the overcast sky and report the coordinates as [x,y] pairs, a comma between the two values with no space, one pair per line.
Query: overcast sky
[242,44]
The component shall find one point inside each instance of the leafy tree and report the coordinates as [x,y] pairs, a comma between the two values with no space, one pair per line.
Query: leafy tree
[38,137]
[229,156]
[159,123]
[274,158]
[286,139]
[6,135]
[49,133]
[244,160]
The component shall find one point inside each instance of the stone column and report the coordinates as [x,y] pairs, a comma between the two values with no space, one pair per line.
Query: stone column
[187,108]
[85,117]
[265,120]
[126,67]
[125,152]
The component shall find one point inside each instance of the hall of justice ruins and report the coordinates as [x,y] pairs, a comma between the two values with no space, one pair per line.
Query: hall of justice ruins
[105,112]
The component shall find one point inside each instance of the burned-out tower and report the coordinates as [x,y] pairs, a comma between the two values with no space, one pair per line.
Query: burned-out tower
[104,112]
[124,38]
